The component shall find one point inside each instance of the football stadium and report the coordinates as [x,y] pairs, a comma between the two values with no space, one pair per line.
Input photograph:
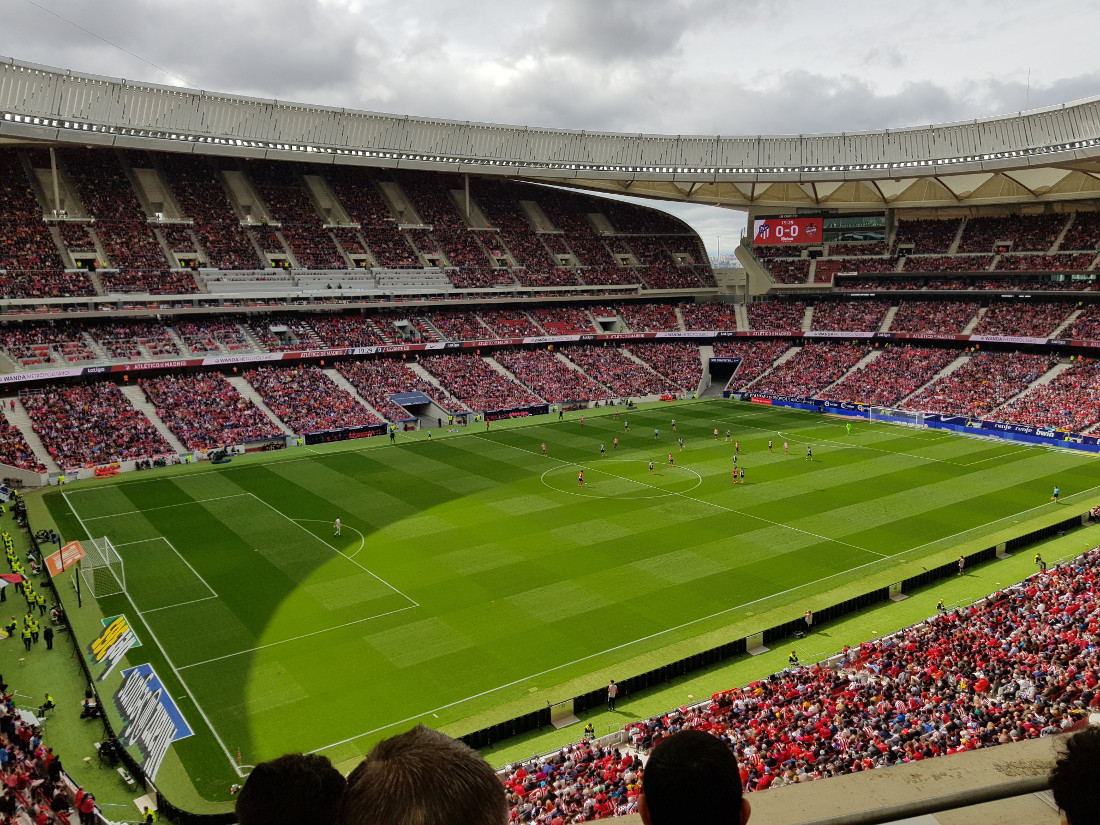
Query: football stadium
[320,424]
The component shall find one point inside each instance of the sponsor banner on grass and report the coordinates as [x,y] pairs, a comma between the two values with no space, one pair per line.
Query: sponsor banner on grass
[57,563]
[112,644]
[151,722]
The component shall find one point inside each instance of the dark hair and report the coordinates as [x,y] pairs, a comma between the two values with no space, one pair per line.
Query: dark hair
[692,778]
[1073,778]
[423,777]
[296,789]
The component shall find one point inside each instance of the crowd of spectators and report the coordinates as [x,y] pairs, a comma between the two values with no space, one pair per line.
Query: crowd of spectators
[673,276]
[211,335]
[307,400]
[893,374]
[377,380]
[1087,325]
[928,237]
[347,331]
[621,374]
[776,316]
[1001,283]
[549,376]
[25,240]
[133,339]
[179,238]
[1027,233]
[849,316]
[827,267]
[1083,233]
[563,320]
[1071,401]
[389,247]
[948,263]
[811,369]
[34,344]
[120,221]
[509,323]
[46,284]
[717,316]
[580,783]
[481,277]
[1052,262]
[757,357]
[92,424]
[204,411]
[788,270]
[284,194]
[202,197]
[933,317]
[679,362]
[650,317]
[1023,319]
[981,384]
[477,385]
[1018,665]
[856,249]
[460,326]
[15,451]
[162,282]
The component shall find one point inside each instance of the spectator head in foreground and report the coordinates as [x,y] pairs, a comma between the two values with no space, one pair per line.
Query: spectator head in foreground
[1073,778]
[692,778]
[296,789]
[423,777]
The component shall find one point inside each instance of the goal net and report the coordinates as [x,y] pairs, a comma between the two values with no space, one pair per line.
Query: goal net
[909,418]
[102,569]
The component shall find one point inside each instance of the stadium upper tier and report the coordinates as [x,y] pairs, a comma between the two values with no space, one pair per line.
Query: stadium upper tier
[1045,154]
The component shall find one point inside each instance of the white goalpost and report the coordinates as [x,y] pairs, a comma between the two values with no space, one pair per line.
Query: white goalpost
[102,569]
[908,418]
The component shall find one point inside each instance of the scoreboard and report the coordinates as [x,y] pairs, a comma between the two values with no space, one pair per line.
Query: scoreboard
[776,231]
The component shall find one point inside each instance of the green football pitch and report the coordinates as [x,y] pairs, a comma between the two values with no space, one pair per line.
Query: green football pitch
[475,575]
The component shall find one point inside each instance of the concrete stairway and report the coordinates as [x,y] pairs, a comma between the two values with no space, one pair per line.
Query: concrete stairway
[808,319]
[863,362]
[889,319]
[950,368]
[577,368]
[19,419]
[706,352]
[347,387]
[1054,247]
[511,376]
[977,319]
[143,404]
[1073,316]
[1042,380]
[742,314]
[786,356]
[954,248]
[248,391]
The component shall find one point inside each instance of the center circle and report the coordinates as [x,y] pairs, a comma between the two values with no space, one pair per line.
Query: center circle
[629,479]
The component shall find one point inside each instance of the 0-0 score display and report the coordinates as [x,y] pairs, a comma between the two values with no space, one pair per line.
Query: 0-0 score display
[787,231]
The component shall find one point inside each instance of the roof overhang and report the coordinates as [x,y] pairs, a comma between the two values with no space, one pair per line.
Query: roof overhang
[1039,155]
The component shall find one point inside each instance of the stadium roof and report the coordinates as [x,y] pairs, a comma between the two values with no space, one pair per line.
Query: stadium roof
[1049,154]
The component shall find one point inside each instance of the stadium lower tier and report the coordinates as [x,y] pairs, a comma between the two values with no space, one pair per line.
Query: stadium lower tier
[168,413]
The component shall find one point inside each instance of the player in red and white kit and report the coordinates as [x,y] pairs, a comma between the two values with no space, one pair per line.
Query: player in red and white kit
[670,459]
[580,478]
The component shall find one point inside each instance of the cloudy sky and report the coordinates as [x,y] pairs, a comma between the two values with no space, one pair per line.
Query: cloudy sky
[673,66]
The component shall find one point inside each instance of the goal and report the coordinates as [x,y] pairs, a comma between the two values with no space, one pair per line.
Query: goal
[909,418]
[102,569]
